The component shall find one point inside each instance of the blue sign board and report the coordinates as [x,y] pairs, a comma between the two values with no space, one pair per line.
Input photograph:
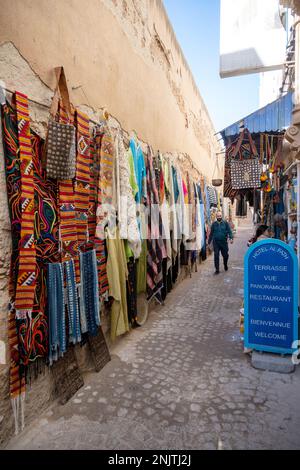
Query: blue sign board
[271,297]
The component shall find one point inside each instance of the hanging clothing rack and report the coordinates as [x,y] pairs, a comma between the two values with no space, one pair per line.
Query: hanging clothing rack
[96,123]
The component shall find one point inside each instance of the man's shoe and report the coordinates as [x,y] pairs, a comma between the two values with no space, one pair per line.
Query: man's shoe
[226,268]
[217,272]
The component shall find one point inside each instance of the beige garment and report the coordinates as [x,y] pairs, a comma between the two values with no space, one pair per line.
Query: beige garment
[127,210]
[117,275]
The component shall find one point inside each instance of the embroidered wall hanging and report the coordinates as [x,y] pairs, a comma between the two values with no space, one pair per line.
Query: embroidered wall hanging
[245,174]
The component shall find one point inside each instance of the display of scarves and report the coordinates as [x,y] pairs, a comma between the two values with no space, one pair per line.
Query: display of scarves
[155,245]
[89,293]
[56,312]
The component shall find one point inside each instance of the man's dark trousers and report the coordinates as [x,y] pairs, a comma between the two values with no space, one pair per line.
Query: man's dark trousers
[221,246]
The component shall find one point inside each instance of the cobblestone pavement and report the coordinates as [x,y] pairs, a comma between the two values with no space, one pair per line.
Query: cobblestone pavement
[181,382]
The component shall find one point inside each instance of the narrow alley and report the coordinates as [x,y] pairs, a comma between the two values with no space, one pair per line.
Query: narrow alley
[180,382]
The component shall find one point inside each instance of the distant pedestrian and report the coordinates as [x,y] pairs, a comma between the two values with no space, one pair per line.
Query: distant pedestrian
[219,235]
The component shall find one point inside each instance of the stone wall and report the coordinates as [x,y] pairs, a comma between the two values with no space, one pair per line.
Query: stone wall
[121,55]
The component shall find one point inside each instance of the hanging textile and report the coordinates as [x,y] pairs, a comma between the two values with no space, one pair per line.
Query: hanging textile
[173,215]
[132,292]
[27,257]
[105,209]
[141,274]
[94,176]
[67,213]
[30,294]
[117,273]
[89,293]
[13,184]
[180,209]
[239,148]
[202,215]
[212,196]
[140,170]
[127,210]
[199,228]
[207,204]
[74,334]
[82,181]
[241,207]
[155,245]
[56,312]
[191,215]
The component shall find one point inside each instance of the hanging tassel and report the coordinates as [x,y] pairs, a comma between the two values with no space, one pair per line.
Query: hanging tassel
[15,407]
[22,406]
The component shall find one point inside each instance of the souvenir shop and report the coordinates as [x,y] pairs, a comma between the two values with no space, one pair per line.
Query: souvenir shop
[98,221]
[257,172]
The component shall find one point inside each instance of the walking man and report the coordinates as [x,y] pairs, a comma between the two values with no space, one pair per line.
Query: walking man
[220,232]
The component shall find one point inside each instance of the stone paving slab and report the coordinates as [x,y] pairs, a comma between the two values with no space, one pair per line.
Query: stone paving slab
[272,362]
[180,382]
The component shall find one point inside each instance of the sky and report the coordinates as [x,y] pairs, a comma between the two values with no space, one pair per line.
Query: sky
[197,27]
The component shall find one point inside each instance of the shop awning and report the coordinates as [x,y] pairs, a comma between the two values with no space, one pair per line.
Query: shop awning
[274,117]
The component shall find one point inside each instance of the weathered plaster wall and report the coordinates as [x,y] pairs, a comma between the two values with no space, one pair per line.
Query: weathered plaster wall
[121,54]
[118,54]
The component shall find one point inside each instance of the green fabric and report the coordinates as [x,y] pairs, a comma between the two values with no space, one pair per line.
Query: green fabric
[132,177]
[128,250]
[220,231]
[142,269]
[117,274]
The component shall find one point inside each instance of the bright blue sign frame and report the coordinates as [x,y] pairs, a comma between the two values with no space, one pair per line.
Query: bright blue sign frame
[271,297]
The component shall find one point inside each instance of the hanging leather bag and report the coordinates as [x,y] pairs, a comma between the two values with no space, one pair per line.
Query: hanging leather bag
[60,147]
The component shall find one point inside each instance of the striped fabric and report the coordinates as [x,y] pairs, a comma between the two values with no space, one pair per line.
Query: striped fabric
[27,258]
[72,303]
[13,183]
[105,182]
[94,173]
[105,157]
[82,181]
[67,214]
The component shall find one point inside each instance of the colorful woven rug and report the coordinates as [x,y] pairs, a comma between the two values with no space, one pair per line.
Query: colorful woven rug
[13,183]
[67,213]
[27,259]
[104,157]
[83,175]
